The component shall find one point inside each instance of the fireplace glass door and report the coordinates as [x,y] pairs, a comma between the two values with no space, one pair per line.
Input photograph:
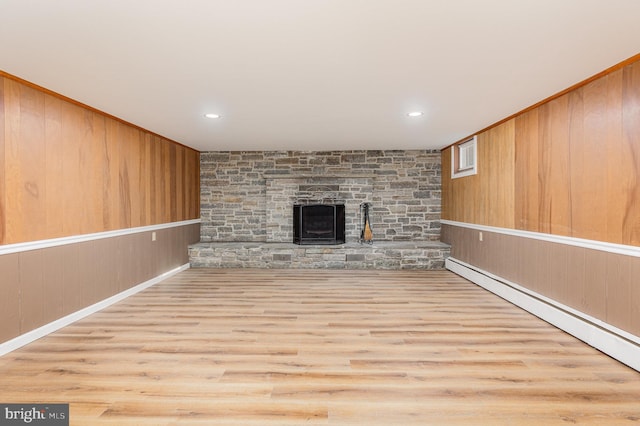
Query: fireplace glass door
[318,224]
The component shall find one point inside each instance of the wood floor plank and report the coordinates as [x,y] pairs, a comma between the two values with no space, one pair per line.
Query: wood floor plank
[287,347]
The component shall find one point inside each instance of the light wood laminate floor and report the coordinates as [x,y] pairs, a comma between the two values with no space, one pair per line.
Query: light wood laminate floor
[281,347]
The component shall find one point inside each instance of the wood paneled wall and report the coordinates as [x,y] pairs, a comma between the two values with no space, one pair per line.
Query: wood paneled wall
[66,169]
[566,167]
[486,198]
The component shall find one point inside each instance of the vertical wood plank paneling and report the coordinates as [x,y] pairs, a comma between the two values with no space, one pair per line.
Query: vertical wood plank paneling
[154,172]
[67,170]
[616,159]
[631,146]
[173,183]
[193,175]
[55,158]
[577,163]
[576,166]
[162,177]
[489,190]
[25,207]
[12,179]
[158,180]
[188,180]
[588,176]
[111,176]
[137,201]
[3,223]
[503,162]
[180,188]
[483,180]
[526,185]
[486,198]
[166,181]
[575,159]
[196,187]
[144,184]
[544,168]
[93,181]
[124,180]
[70,170]
[134,150]
[448,195]
[555,163]
[72,189]
[472,197]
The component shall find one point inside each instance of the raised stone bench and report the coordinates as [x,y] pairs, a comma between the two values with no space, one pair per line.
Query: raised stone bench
[379,255]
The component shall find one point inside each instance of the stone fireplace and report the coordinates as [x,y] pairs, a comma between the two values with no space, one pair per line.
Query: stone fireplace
[284,192]
[247,210]
[247,196]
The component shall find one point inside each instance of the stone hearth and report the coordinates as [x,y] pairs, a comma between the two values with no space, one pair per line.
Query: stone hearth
[379,255]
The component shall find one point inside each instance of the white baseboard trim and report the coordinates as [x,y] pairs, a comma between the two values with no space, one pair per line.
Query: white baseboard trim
[33,335]
[616,343]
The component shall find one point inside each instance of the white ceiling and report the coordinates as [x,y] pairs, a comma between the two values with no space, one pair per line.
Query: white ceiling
[313,74]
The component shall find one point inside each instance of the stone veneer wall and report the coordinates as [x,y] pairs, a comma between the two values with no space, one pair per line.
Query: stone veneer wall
[248,196]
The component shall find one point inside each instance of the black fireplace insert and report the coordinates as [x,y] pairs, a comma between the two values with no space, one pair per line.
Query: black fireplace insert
[318,224]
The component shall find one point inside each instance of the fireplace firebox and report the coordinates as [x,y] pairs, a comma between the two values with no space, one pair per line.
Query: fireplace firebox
[318,224]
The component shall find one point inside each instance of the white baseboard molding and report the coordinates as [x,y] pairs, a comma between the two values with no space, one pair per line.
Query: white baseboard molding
[616,343]
[33,335]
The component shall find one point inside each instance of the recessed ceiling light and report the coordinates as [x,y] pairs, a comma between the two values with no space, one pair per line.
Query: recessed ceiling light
[211,115]
[415,114]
